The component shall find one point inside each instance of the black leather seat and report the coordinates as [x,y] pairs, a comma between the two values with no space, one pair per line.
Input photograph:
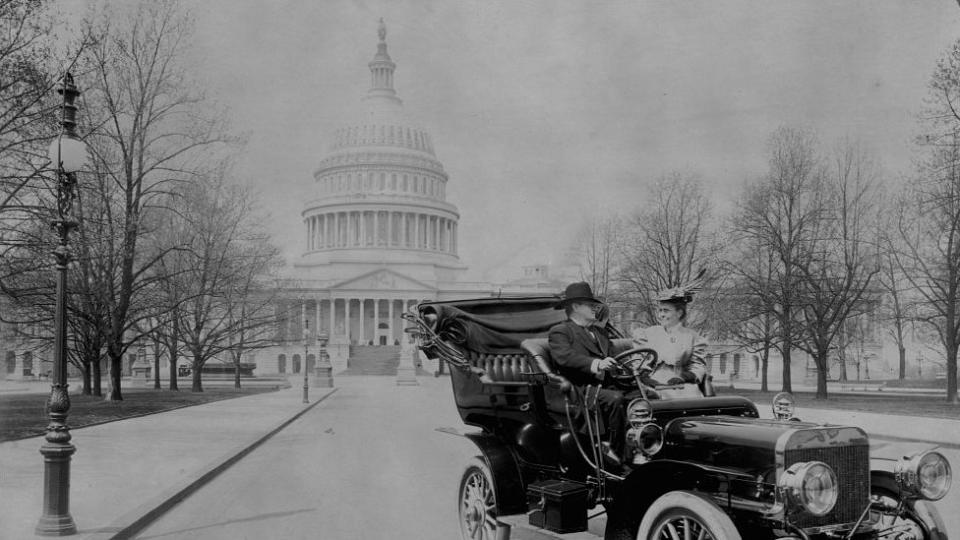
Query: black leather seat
[501,367]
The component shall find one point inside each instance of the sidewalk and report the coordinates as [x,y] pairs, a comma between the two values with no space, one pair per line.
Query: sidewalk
[938,431]
[127,471]
[850,387]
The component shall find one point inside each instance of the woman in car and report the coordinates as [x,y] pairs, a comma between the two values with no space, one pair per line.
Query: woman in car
[681,351]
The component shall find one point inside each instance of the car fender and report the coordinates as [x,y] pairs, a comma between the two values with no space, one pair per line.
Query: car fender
[644,485]
[920,508]
[507,478]
[654,478]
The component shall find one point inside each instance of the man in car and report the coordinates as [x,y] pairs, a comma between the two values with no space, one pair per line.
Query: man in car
[582,352]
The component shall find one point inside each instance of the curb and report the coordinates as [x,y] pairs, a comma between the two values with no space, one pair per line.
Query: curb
[936,444]
[137,519]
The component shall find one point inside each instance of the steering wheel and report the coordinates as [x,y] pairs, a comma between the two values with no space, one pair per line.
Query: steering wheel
[631,361]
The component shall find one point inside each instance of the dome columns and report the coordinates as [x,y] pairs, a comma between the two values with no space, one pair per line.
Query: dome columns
[381,229]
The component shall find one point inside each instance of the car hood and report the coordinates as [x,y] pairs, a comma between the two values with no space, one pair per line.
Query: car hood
[750,445]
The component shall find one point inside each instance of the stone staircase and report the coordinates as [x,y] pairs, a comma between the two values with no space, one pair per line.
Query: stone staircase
[373,360]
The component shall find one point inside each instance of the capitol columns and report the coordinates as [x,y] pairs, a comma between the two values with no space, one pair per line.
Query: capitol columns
[392,320]
[363,333]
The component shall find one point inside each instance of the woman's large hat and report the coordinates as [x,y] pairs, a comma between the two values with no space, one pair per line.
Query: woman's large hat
[682,293]
[579,291]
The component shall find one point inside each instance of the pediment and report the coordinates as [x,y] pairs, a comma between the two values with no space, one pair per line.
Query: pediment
[383,280]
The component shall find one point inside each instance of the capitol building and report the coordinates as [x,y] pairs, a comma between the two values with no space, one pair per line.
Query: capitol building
[379,237]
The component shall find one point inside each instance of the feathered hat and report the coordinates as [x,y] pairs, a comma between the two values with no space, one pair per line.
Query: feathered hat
[682,293]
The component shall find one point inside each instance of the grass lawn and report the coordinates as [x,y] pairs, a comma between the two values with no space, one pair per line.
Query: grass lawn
[25,415]
[874,402]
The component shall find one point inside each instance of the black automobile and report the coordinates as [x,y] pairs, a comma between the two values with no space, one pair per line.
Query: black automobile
[698,466]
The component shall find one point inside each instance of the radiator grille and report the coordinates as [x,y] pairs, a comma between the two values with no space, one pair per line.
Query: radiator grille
[851,463]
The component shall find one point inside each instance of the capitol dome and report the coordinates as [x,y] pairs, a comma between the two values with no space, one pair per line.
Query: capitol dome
[378,196]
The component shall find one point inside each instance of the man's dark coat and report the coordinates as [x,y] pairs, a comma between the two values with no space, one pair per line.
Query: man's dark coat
[573,349]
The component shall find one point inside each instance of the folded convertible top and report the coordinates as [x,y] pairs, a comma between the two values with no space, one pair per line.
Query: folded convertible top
[492,325]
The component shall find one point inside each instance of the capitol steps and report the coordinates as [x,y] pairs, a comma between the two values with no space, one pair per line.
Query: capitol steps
[373,360]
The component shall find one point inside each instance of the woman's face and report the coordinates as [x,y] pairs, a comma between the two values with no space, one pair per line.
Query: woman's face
[669,314]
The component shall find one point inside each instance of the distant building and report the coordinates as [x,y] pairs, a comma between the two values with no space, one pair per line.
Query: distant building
[379,237]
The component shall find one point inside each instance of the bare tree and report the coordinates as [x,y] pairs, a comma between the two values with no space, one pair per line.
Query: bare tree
[840,257]
[930,260]
[778,213]
[27,105]
[752,320]
[894,306]
[227,303]
[29,111]
[599,244]
[667,241]
[154,130]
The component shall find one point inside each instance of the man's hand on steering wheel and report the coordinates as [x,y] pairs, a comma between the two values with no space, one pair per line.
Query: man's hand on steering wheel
[607,364]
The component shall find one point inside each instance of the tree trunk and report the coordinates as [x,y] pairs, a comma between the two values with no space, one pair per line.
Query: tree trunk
[116,372]
[842,356]
[197,384]
[97,378]
[156,365]
[236,371]
[822,369]
[787,386]
[85,374]
[952,370]
[903,361]
[764,364]
[172,348]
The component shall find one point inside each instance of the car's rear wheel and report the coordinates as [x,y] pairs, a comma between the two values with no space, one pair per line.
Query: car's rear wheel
[478,502]
[686,514]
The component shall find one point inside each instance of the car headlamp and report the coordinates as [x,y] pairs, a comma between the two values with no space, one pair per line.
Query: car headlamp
[812,485]
[925,474]
[783,406]
[644,434]
[650,439]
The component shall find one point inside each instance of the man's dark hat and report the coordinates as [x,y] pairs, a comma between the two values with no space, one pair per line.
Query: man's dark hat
[579,291]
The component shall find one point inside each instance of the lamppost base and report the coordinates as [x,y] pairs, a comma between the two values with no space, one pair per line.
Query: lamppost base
[406,371]
[56,526]
[323,376]
[56,519]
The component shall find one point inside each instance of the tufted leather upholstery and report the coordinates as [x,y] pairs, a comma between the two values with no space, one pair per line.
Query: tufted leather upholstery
[501,367]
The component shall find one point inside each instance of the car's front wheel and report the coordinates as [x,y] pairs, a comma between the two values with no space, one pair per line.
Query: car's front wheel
[917,519]
[686,514]
[478,502]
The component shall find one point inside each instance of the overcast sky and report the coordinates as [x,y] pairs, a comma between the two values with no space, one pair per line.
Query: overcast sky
[545,112]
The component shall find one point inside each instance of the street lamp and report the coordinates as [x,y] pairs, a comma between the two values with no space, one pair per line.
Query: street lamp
[69,155]
[306,352]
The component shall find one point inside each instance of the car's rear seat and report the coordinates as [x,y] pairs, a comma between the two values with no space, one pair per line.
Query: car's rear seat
[501,367]
[536,359]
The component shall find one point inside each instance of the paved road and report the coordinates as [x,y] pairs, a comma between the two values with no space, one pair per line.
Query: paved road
[353,467]
[348,465]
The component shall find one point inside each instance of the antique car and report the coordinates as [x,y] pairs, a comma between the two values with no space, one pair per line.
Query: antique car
[698,466]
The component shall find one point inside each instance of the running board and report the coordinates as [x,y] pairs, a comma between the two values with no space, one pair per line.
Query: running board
[519,528]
